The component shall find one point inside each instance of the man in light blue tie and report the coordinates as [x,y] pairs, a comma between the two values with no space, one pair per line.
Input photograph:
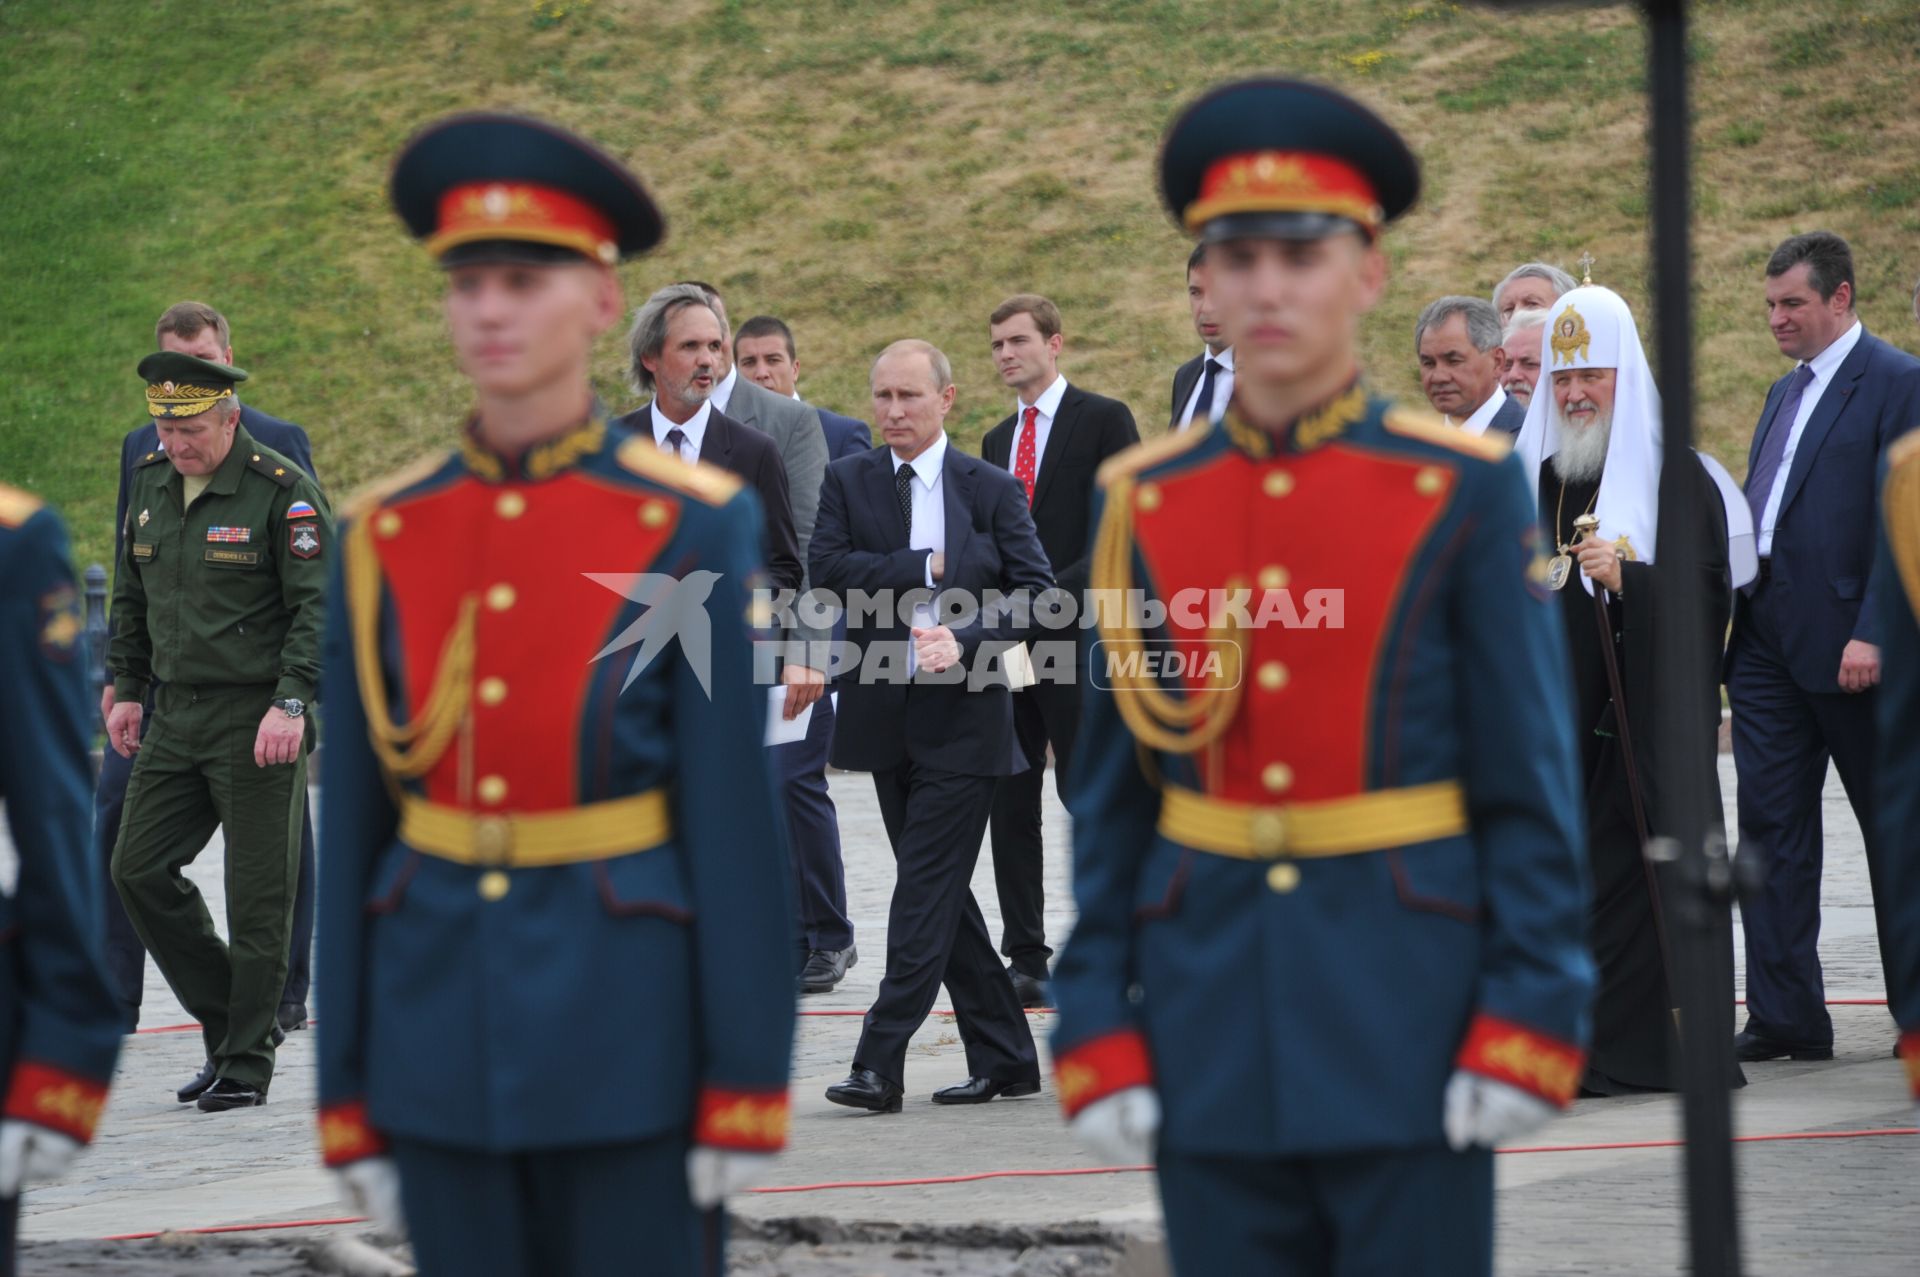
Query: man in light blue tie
[1803,657]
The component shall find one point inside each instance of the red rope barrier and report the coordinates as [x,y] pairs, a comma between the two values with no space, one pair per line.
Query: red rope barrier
[977,1176]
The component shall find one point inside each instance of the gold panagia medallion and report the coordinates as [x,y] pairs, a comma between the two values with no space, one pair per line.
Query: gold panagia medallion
[1558,570]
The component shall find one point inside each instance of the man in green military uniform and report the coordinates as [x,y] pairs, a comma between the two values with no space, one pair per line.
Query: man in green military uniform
[218,596]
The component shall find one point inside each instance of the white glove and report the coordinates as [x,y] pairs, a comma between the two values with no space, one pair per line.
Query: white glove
[1122,1127]
[715,1174]
[371,1187]
[32,1154]
[1480,1110]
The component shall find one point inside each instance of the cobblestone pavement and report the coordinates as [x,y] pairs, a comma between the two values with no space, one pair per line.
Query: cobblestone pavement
[1850,1207]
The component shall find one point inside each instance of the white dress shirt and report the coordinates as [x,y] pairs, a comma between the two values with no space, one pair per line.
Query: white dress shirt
[929,530]
[1049,404]
[723,393]
[1824,365]
[1483,415]
[1222,388]
[695,429]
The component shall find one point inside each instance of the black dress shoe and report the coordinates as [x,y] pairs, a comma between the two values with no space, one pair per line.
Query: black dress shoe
[1749,1047]
[978,1090]
[1032,991]
[228,1094]
[865,1089]
[292,1017]
[198,1087]
[827,967]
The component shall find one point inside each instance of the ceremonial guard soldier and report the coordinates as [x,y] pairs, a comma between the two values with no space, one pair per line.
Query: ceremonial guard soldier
[1899,738]
[555,960]
[221,580]
[59,1022]
[1329,875]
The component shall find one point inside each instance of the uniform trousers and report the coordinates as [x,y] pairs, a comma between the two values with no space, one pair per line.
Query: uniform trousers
[1405,1213]
[936,934]
[126,957]
[195,773]
[599,1211]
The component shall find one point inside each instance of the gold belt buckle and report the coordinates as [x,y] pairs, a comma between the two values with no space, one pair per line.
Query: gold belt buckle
[493,848]
[1267,830]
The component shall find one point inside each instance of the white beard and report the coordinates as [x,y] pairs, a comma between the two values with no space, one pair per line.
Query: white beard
[1582,453]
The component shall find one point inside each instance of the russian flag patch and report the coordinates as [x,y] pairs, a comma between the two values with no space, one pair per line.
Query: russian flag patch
[301,510]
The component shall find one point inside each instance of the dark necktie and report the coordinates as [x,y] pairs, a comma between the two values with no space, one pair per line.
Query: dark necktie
[1203,410]
[1766,466]
[676,441]
[903,486]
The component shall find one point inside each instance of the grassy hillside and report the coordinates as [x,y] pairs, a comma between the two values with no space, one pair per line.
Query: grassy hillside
[868,169]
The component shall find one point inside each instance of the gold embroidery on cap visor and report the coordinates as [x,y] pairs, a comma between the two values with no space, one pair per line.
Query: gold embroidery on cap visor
[1271,182]
[177,399]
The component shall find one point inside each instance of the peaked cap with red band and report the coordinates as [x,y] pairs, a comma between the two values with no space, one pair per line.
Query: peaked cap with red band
[1284,159]
[485,186]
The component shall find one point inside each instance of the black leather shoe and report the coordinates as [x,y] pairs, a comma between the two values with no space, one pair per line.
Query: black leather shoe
[865,1089]
[278,1035]
[292,1017]
[228,1094]
[827,967]
[978,1090]
[198,1087]
[1749,1047]
[1031,991]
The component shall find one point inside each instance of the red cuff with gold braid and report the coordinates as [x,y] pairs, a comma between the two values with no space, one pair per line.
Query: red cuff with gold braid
[345,1134]
[1096,1069]
[56,1099]
[746,1121]
[1910,1056]
[1518,1056]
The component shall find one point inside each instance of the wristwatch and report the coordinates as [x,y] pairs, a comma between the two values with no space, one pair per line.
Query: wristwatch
[291,707]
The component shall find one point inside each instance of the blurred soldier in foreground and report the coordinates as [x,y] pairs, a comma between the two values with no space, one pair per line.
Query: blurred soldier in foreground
[1329,949]
[1591,446]
[1899,738]
[59,1024]
[555,964]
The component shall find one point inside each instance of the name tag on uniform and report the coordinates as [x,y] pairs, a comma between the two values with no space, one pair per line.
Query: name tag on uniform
[241,558]
[142,551]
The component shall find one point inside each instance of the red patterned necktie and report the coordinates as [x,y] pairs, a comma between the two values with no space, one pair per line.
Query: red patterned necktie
[1025,460]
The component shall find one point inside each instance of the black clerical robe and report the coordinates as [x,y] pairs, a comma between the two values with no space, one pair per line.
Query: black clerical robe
[1633,1009]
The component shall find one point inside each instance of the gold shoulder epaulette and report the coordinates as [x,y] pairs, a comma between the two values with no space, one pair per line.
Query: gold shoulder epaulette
[16,507]
[706,483]
[372,493]
[1900,507]
[1149,452]
[150,458]
[1428,428]
[275,467]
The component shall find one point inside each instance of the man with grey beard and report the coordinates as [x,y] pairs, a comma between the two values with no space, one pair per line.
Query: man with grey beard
[1592,437]
[1521,343]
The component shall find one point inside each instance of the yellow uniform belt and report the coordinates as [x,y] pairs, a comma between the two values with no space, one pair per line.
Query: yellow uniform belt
[1347,826]
[537,839]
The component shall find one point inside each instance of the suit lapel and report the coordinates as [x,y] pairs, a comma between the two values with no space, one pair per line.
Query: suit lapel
[1184,380]
[1057,439]
[716,446]
[740,404]
[1833,402]
[1767,414]
[957,489]
[885,497]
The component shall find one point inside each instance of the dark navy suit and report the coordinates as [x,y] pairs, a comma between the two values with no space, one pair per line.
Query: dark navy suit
[819,872]
[1898,774]
[1817,592]
[1509,418]
[126,959]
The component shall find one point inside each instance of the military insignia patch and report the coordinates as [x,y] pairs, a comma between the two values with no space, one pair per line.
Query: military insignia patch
[60,623]
[1543,577]
[144,516]
[301,510]
[233,536]
[304,540]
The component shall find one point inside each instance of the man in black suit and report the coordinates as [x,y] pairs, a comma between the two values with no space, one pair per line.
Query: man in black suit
[763,351]
[674,352]
[1053,443]
[930,715]
[1461,357]
[1803,656]
[192,328]
[1207,378]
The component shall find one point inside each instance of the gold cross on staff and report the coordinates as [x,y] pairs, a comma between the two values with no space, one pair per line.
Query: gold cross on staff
[1586,268]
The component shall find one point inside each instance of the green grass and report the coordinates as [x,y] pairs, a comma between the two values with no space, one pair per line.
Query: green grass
[868,169]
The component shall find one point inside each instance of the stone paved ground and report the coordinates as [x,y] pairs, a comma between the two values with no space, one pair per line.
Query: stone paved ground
[1847,1208]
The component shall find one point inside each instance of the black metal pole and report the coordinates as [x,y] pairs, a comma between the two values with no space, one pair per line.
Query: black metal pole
[1703,928]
